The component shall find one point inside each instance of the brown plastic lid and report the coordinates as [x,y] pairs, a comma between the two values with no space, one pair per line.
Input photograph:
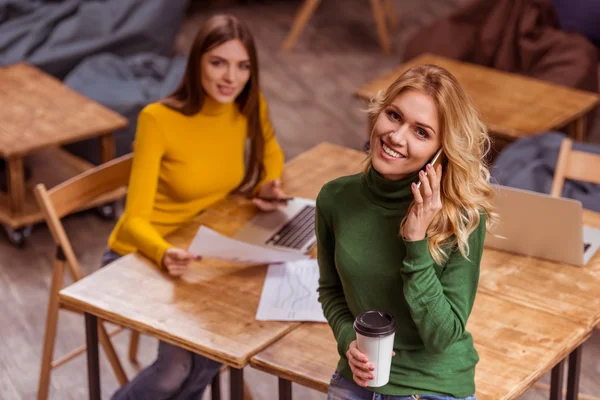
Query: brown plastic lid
[375,324]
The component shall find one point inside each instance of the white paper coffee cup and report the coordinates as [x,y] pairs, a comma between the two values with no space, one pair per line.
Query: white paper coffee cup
[375,331]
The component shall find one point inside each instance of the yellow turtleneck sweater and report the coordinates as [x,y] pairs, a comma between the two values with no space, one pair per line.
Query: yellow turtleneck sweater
[181,165]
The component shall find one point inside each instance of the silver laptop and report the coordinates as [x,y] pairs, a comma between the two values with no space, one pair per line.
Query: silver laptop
[290,228]
[539,225]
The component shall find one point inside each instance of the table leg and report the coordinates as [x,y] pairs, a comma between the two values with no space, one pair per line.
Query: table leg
[107,147]
[215,387]
[285,389]
[16,185]
[556,381]
[93,362]
[236,383]
[577,128]
[573,374]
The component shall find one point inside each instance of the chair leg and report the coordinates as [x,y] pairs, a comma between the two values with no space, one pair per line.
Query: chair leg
[306,11]
[391,13]
[134,343]
[111,354]
[379,14]
[50,333]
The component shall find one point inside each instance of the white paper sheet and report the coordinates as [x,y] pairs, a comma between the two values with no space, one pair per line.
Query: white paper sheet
[290,293]
[209,243]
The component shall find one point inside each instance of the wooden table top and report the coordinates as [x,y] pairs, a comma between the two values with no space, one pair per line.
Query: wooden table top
[561,289]
[511,105]
[211,310]
[516,345]
[521,330]
[202,311]
[38,110]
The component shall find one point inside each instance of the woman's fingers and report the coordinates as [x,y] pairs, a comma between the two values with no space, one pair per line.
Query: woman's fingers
[416,193]
[176,270]
[425,187]
[265,205]
[357,370]
[432,178]
[359,382]
[359,365]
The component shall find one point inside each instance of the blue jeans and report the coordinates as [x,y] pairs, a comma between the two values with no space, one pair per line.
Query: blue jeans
[176,374]
[341,388]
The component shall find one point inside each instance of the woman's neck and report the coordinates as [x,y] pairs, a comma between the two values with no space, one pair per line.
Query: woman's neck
[211,106]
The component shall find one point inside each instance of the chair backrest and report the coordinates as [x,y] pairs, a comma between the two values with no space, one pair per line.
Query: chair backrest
[576,165]
[73,194]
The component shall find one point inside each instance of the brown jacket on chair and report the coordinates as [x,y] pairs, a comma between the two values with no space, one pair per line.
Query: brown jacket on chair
[520,36]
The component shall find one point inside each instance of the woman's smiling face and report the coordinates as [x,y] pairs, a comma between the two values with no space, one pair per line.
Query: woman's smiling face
[406,135]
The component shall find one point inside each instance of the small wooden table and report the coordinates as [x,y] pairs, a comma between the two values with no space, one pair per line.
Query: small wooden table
[39,114]
[511,105]
[211,310]
[521,330]
[516,345]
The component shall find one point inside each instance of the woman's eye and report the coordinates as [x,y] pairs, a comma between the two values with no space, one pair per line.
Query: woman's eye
[245,66]
[422,132]
[216,63]
[394,115]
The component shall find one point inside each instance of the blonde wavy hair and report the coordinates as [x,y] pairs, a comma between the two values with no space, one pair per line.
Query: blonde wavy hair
[465,185]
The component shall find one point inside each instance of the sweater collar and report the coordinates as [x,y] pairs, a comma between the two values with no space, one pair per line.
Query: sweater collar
[392,195]
[212,107]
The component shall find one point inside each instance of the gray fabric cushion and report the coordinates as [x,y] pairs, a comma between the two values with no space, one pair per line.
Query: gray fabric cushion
[125,85]
[56,36]
[529,163]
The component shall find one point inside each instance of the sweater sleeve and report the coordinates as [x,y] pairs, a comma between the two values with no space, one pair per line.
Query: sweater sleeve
[331,292]
[149,148]
[440,307]
[273,155]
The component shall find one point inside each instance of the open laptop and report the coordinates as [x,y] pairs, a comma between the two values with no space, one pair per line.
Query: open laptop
[539,225]
[290,228]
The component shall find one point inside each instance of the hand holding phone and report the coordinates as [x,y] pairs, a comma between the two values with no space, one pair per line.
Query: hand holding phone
[437,159]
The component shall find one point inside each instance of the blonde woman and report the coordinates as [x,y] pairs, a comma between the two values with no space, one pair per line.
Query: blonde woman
[385,244]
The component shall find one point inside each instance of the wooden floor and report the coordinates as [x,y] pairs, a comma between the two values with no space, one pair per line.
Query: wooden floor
[310,96]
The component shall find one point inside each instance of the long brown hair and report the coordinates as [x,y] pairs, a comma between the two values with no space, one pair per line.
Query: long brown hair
[189,96]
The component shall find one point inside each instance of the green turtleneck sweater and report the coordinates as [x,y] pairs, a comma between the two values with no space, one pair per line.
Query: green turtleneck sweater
[365,264]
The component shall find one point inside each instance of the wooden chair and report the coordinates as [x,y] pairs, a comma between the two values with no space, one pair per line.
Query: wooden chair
[61,200]
[382,9]
[576,165]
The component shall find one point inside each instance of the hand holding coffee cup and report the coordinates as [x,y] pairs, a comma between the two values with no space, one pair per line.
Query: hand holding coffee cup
[370,355]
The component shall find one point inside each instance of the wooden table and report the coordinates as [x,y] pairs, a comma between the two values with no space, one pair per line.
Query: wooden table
[516,345]
[561,289]
[39,114]
[521,330]
[518,342]
[203,311]
[511,105]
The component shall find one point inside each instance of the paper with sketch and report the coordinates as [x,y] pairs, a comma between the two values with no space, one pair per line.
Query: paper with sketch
[290,293]
[209,243]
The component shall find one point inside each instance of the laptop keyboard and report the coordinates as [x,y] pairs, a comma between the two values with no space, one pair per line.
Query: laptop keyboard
[297,232]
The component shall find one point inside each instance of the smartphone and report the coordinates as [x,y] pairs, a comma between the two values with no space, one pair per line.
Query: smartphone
[277,200]
[437,159]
